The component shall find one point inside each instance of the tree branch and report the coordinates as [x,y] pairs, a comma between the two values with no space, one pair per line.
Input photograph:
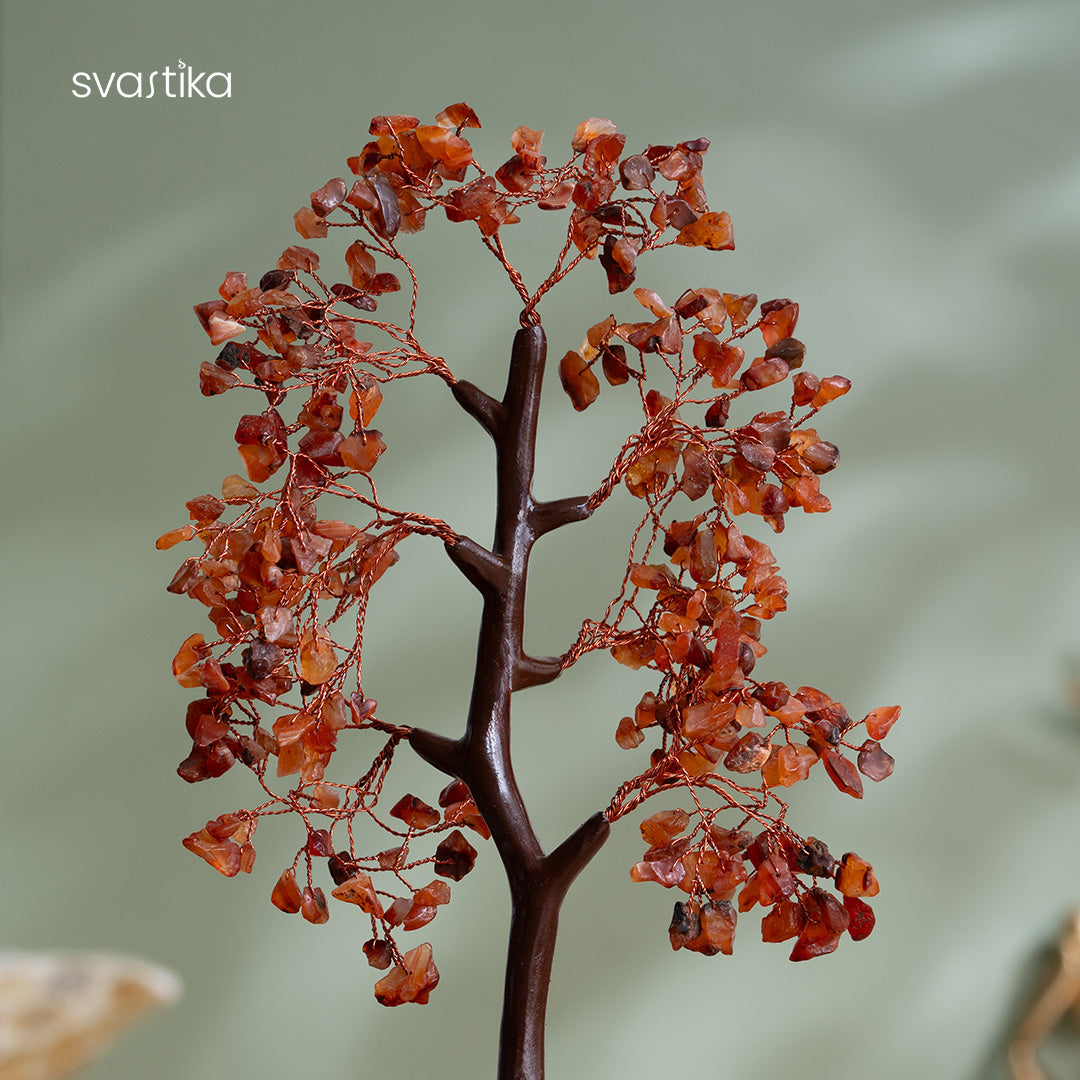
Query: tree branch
[483,408]
[546,516]
[536,670]
[574,853]
[437,750]
[486,571]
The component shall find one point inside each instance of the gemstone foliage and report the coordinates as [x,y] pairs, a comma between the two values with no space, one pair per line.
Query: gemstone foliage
[290,548]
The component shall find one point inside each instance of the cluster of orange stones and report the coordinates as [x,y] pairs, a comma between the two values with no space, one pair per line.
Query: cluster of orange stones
[280,582]
[698,612]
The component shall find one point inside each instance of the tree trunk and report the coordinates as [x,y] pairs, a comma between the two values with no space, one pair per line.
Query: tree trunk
[481,758]
[533,928]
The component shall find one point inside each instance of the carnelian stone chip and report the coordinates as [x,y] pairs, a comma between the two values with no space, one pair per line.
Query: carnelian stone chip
[842,773]
[765,373]
[365,400]
[313,905]
[636,172]
[298,258]
[213,380]
[379,953]
[862,918]
[748,754]
[235,282]
[663,827]
[667,870]
[442,145]
[855,877]
[204,311]
[591,129]
[651,576]
[821,456]
[434,894]
[361,264]
[190,653]
[785,921]
[805,387]
[826,921]
[454,857]
[712,230]
[703,563]
[627,734]
[418,915]
[815,940]
[309,224]
[459,115]
[221,329]
[578,380]
[454,792]
[329,196]
[832,387]
[778,320]
[318,662]
[774,880]
[169,539]
[415,812]
[814,858]
[235,488]
[222,855]
[720,359]
[794,762]
[398,910]
[208,730]
[362,196]
[219,759]
[360,891]
[386,218]
[392,125]
[874,762]
[708,721]
[286,895]
[261,462]
[790,350]
[320,844]
[685,924]
[361,451]
[879,722]
[411,981]
[717,929]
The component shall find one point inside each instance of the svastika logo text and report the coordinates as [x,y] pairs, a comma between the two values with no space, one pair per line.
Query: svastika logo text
[184,82]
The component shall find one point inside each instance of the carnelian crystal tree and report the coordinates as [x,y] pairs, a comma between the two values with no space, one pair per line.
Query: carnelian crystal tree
[286,589]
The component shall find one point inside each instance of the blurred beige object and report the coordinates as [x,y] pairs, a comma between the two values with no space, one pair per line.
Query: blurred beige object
[1061,994]
[59,1010]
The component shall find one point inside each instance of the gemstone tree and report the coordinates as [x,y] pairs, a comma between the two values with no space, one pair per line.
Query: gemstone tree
[286,589]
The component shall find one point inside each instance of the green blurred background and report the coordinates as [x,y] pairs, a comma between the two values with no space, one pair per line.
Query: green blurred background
[909,171]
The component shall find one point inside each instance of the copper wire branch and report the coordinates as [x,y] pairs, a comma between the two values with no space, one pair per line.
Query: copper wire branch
[481,757]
